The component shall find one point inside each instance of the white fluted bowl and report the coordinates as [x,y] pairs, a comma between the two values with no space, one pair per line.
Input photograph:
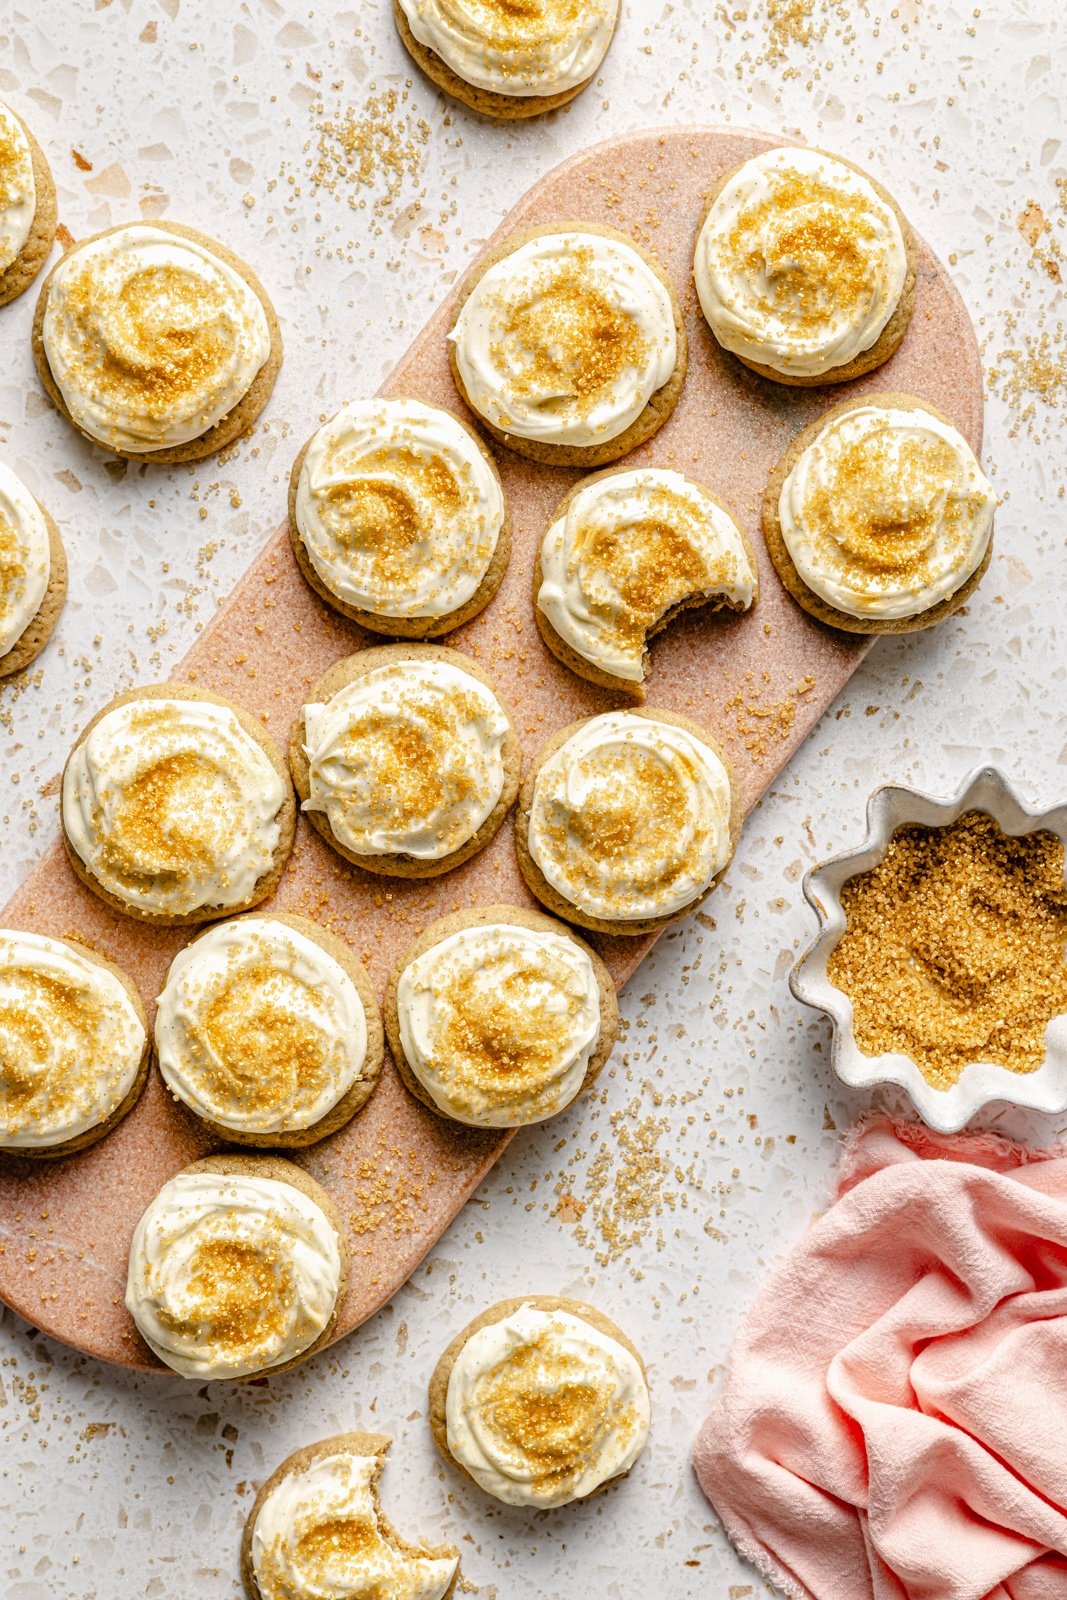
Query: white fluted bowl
[946,1110]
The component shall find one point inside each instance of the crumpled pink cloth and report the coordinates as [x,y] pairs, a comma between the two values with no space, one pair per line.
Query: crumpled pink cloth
[892,1424]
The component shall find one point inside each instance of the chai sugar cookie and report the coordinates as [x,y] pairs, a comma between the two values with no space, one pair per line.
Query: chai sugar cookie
[237,1267]
[540,1401]
[508,61]
[268,1030]
[317,1527]
[405,759]
[499,1017]
[176,806]
[33,575]
[156,342]
[624,553]
[627,820]
[805,267]
[73,1045]
[569,344]
[878,517]
[397,518]
[27,206]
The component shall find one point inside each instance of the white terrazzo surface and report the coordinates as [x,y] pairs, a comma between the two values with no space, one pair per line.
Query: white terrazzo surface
[115,1487]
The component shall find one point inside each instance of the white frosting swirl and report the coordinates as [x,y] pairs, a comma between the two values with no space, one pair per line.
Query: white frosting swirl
[259,1028]
[566,339]
[151,337]
[318,1535]
[800,263]
[630,817]
[628,550]
[231,1275]
[71,1042]
[533,47]
[18,188]
[406,759]
[25,559]
[172,806]
[398,509]
[542,1408]
[499,1023]
[887,512]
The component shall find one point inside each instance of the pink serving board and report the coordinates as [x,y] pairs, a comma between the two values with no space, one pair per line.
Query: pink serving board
[398,1173]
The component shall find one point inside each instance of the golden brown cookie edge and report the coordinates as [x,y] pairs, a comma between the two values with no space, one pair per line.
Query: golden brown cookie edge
[778,551]
[661,402]
[99,1130]
[569,657]
[442,1373]
[354,1098]
[20,273]
[237,421]
[543,891]
[405,627]
[41,626]
[346,671]
[891,335]
[486,102]
[266,884]
[357,1443]
[488,916]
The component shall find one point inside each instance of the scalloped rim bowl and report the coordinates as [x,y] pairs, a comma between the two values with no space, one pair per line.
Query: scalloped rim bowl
[946,1110]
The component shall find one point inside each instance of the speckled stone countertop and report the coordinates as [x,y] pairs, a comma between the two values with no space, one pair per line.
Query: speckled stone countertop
[305,139]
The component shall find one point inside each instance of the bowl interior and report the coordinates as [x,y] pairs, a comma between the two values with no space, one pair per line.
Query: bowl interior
[946,1110]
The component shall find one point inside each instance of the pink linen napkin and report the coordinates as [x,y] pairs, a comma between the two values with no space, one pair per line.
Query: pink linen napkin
[892,1424]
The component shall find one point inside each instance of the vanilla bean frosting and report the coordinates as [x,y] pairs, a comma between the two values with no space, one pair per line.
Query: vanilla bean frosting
[566,339]
[887,512]
[151,337]
[630,817]
[259,1029]
[18,188]
[499,1022]
[542,1408]
[25,559]
[398,509]
[407,758]
[516,47]
[319,1535]
[232,1274]
[629,548]
[172,807]
[800,263]
[71,1042]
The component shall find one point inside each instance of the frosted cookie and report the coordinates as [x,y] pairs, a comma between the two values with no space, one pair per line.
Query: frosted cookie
[627,820]
[624,554]
[405,760]
[507,60]
[73,1045]
[540,1401]
[498,1017]
[569,344]
[33,575]
[268,1030]
[237,1267]
[397,518]
[878,517]
[317,1529]
[27,206]
[156,342]
[176,806]
[805,267]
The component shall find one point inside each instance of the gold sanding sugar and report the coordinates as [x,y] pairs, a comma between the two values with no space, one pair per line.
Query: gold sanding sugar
[955,947]
[374,146]
[792,22]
